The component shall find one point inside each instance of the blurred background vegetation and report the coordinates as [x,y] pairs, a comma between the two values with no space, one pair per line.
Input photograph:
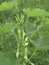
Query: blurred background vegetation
[8,45]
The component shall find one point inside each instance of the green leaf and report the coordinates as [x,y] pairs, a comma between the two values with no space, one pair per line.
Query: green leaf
[6,6]
[6,28]
[39,35]
[46,47]
[46,21]
[29,28]
[42,39]
[35,12]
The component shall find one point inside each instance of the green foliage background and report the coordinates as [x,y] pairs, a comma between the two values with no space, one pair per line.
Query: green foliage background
[36,29]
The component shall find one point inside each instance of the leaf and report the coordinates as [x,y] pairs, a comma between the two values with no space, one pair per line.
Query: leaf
[42,39]
[29,28]
[6,28]
[35,12]
[6,6]
[43,48]
[39,37]
[46,21]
